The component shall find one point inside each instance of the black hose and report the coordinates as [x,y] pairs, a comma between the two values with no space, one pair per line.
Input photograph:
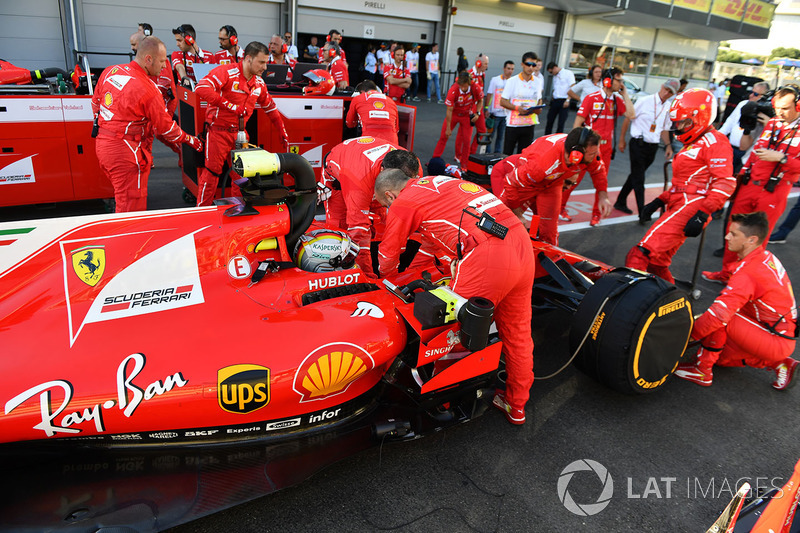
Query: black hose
[302,207]
[50,72]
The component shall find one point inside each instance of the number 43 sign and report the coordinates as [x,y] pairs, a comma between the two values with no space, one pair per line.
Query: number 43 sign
[369,32]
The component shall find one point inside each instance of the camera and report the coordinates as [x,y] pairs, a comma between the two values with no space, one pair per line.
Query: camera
[749,119]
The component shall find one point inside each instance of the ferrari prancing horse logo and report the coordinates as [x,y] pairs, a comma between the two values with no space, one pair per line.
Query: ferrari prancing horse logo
[89,263]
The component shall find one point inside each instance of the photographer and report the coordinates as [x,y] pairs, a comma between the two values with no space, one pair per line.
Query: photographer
[742,119]
[769,172]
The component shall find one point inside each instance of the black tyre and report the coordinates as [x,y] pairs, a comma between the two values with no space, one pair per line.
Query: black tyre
[638,327]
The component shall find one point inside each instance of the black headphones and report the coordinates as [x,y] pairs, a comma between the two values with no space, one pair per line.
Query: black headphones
[233,37]
[794,89]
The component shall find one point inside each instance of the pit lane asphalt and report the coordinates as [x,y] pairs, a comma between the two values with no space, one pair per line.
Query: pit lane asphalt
[674,456]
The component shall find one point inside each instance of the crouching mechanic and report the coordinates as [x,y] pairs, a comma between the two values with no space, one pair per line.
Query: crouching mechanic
[500,270]
[702,180]
[753,321]
[349,172]
[538,175]
[232,92]
[129,108]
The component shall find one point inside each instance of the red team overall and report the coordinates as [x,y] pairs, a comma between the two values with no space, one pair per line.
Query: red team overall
[776,153]
[463,100]
[752,322]
[702,180]
[500,270]
[599,111]
[350,172]
[130,109]
[537,176]
[232,91]
[377,113]
[478,75]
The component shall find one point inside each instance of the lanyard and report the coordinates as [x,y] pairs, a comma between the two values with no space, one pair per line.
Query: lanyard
[656,116]
[777,143]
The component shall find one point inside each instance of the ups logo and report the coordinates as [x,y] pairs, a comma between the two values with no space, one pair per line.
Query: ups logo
[242,389]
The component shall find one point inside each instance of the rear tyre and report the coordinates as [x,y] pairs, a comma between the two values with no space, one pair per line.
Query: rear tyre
[638,326]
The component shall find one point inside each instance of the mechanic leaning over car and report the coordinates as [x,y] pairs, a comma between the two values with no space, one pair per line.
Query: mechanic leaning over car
[128,109]
[768,174]
[376,112]
[753,322]
[349,172]
[232,91]
[702,180]
[499,269]
[551,163]
[599,111]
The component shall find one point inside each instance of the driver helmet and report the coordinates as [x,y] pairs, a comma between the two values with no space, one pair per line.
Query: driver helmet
[325,250]
[698,108]
[320,83]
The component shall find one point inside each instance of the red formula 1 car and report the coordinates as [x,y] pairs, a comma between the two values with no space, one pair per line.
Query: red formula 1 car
[126,330]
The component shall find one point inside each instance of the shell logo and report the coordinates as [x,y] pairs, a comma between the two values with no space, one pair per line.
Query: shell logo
[330,369]
[365,140]
[378,105]
[107,99]
[470,187]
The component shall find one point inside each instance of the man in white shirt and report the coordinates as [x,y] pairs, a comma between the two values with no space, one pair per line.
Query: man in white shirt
[563,79]
[492,102]
[412,62]
[731,127]
[384,57]
[292,48]
[649,127]
[520,96]
[432,66]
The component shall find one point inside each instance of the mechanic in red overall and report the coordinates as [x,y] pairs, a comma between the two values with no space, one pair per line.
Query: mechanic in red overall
[188,54]
[333,37]
[543,169]
[478,75]
[599,111]
[166,84]
[396,77]
[350,171]
[128,107]
[500,270]
[702,181]
[376,112]
[464,103]
[770,171]
[232,91]
[336,66]
[230,51]
[279,55]
[753,321]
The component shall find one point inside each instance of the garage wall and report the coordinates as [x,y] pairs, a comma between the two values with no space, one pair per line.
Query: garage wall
[502,31]
[400,20]
[108,24]
[28,49]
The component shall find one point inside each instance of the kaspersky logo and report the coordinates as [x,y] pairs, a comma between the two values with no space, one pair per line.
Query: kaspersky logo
[242,389]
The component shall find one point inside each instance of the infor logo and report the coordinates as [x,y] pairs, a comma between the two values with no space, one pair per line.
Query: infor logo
[585,509]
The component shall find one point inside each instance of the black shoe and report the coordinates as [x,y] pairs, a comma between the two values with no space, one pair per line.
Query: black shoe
[719,252]
[623,208]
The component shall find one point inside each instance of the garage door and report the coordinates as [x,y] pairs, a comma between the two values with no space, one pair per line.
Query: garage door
[108,25]
[319,22]
[31,35]
[499,46]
